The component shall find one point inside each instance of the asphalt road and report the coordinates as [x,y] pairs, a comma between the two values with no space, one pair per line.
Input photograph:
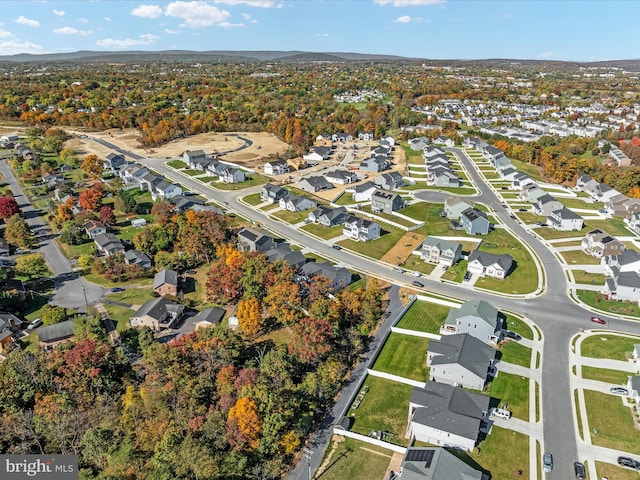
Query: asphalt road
[71,291]
[553,311]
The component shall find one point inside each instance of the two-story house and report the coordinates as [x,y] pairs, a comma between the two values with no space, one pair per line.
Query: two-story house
[232,175]
[360,229]
[565,220]
[485,264]
[545,205]
[474,222]
[253,240]
[296,203]
[476,317]
[276,167]
[383,201]
[598,244]
[165,282]
[272,193]
[454,206]
[437,250]
[93,228]
[389,181]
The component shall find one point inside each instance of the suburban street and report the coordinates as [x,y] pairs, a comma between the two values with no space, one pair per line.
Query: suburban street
[557,315]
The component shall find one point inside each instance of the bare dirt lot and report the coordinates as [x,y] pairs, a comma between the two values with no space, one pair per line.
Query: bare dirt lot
[403,248]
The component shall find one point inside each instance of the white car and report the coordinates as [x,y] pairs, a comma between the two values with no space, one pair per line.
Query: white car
[416,274]
[501,413]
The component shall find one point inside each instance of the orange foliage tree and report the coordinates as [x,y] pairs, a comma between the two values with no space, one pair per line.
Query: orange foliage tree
[244,423]
[249,316]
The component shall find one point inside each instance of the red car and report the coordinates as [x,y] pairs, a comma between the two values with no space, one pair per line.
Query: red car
[598,320]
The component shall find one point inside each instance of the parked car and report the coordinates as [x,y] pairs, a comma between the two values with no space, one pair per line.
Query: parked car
[598,320]
[541,224]
[34,324]
[522,209]
[501,413]
[628,462]
[547,462]
[336,247]
[512,335]
[117,289]
[191,271]
[619,391]
[467,276]
[398,269]
[416,274]
[416,283]
[578,467]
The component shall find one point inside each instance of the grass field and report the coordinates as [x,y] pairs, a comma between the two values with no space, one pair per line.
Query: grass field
[617,377]
[253,199]
[513,352]
[456,272]
[424,317]
[494,448]
[251,180]
[405,356]
[355,460]
[517,325]
[292,217]
[322,231]
[614,472]
[414,263]
[378,247]
[389,217]
[513,390]
[135,296]
[580,276]
[384,407]
[597,300]
[580,203]
[119,315]
[579,258]
[177,164]
[615,429]
[608,346]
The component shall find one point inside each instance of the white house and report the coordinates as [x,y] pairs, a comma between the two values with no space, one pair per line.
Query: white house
[565,220]
[489,264]
[477,318]
[361,229]
[276,167]
[440,251]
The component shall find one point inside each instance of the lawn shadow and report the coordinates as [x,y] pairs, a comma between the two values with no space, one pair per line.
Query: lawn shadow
[333,464]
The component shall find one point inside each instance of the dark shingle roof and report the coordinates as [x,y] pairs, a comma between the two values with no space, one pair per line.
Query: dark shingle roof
[56,332]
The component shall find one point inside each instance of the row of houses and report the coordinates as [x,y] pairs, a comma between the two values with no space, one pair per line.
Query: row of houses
[615,203]
[438,168]
[198,160]
[472,220]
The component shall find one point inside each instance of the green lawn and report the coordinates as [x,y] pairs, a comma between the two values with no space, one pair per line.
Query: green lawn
[269,206]
[177,164]
[549,233]
[251,180]
[530,218]
[502,453]
[405,356]
[570,243]
[253,199]
[596,300]
[119,315]
[292,217]
[527,168]
[322,231]
[345,199]
[354,460]
[608,346]
[580,276]
[384,407]
[581,204]
[389,217]
[514,390]
[518,325]
[617,377]
[513,352]
[74,251]
[424,317]
[614,472]
[416,264]
[615,429]
[193,173]
[378,247]
[579,258]
[134,296]
[456,272]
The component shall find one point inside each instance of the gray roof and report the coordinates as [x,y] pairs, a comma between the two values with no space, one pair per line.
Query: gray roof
[165,276]
[136,256]
[628,279]
[472,214]
[157,307]
[435,463]
[441,243]
[212,315]
[566,214]
[364,187]
[475,308]
[284,252]
[485,258]
[463,349]
[449,409]
[56,332]
[634,383]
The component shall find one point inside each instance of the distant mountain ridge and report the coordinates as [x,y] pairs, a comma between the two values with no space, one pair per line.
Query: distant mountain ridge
[293,56]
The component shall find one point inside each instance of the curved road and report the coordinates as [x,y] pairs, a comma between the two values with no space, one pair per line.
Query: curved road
[557,315]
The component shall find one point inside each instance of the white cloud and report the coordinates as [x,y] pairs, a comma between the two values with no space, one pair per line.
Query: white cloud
[230,25]
[197,14]
[323,34]
[22,20]
[107,19]
[172,32]
[72,31]
[145,39]
[5,34]
[60,13]
[13,47]
[403,19]
[249,3]
[247,18]
[147,11]
[408,3]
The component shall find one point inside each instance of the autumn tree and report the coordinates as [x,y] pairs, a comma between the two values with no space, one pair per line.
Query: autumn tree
[163,211]
[91,198]
[17,233]
[93,166]
[8,207]
[310,340]
[106,216]
[65,210]
[244,424]
[249,315]
[283,302]
[31,268]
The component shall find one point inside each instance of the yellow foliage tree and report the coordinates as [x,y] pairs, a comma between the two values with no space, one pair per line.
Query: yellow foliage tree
[249,316]
[92,166]
[245,414]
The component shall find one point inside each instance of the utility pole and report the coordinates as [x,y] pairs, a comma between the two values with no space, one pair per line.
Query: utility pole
[307,454]
[86,303]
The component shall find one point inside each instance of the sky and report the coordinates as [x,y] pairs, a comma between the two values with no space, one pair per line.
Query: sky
[572,30]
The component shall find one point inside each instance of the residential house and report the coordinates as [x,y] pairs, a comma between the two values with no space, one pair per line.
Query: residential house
[53,335]
[314,184]
[441,161]
[203,164]
[440,251]
[531,192]
[51,179]
[444,415]
[65,167]
[328,217]
[604,192]
[442,140]
[507,173]
[182,203]
[520,180]
[622,206]
[454,206]
[165,282]
[598,244]
[295,203]
[627,261]
[474,222]
[361,229]
[432,151]
[492,154]
[93,228]
[323,140]
[389,181]
[443,177]
[108,244]
[633,387]
[461,360]
[232,175]
[113,161]
[208,317]
[586,184]
[419,143]
[362,192]
[194,158]
[341,137]
[276,167]
[339,277]
[132,174]
[565,220]
[272,193]
[136,257]
[297,163]
[317,154]
[138,222]
[314,215]
[476,317]
[215,167]
[365,136]
[383,201]
[435,463]
[633,223]
[623,286]
[502,163]
[373,164]
[341,177]
[157,314]
[253,240]
[545,205]
[487,264]
[619,157]
[9,324]
[294,258]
